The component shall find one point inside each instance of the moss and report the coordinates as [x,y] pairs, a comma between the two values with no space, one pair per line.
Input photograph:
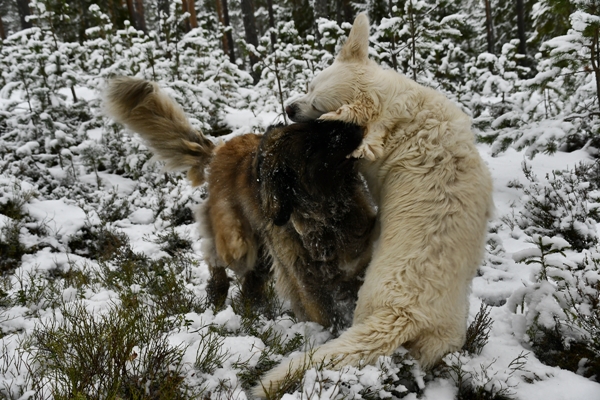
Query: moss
[181,215]
[487,139]
[13,209]
[172,243]
[548,346]
[98,243]
[11,248]
[470,392]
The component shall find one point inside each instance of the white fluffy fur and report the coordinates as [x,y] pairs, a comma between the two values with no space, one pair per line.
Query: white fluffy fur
[434,197]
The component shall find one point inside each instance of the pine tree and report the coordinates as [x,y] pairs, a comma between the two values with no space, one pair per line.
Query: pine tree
[551,19]
[570,69]
[426,33]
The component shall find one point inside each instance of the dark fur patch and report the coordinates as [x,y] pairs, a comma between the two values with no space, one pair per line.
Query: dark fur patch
[317,201]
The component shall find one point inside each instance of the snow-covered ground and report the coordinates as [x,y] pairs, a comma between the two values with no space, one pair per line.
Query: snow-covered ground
[64,216]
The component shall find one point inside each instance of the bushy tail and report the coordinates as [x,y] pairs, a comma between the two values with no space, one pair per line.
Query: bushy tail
[380,334]
[144,108]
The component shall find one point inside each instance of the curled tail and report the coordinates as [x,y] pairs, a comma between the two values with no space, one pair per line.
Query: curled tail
[144,108]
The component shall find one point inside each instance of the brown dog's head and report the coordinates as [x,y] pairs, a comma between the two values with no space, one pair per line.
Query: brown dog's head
[303,163]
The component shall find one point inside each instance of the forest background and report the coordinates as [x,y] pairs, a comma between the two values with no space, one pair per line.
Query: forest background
[102,285]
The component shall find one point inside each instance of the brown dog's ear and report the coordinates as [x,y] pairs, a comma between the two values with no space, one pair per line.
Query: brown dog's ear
[356,48]
[276,177]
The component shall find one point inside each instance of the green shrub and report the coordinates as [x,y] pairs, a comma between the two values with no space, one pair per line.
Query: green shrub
[123,352]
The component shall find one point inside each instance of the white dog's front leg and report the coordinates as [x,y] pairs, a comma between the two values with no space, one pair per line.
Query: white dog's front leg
[371,147]
[344,113]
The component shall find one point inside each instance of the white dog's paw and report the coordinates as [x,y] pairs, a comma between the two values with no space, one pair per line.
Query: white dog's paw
[341,114]
[371,147]
[360,152]
[369,151]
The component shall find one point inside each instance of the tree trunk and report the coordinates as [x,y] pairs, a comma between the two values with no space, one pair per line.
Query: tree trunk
[393,38]
[136,14]
[521,27]
[163,6]
[141,18]
[595,59]
[249,20]
[413,38]
[24,12]
[83,23]
[192,11]
[489,27]
[348,12]
[227,39]
[186,22]
[228,34]
[321,9]
[272,24]
[2,32]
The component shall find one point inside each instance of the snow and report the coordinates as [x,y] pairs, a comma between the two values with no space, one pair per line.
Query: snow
[75,196]
[560,385]
[142,216]
[496,284]
[61,216]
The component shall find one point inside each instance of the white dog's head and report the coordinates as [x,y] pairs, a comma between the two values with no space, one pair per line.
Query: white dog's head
[341,91]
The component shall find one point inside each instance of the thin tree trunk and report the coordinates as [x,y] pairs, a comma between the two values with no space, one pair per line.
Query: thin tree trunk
[595,58]
[186,22]
[24,12]
[219,7]
[192,11]
[83,23]
[393,38]
[521,27]
[348,12]
[413,35]
[249,20]
[272,24]
[227,39]
[163,6]
[111,12]
[228,34]
[489,27]
[320,9]
[141,18]
[136,14]
[2,32]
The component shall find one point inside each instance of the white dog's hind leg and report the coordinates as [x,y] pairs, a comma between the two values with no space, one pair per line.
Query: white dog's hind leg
[380,334]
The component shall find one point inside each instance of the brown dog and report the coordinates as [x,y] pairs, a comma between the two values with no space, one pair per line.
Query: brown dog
[292,198]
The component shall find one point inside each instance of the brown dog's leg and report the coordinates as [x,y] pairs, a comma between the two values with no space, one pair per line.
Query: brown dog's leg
[255,281]
[218,286]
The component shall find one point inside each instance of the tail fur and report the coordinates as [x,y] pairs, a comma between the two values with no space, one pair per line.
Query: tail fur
[144,108]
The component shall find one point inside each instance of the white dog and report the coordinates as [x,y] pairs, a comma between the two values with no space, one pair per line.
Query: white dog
[435,197]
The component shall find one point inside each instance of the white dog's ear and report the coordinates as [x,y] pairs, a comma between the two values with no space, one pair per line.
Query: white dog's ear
[356,47]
